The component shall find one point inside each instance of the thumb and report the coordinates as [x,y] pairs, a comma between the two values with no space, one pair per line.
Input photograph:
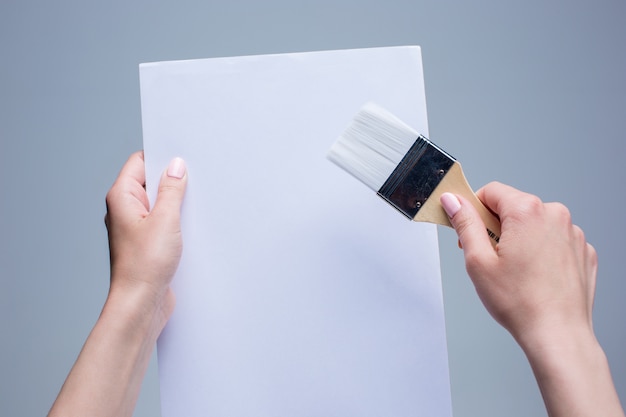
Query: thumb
[172,189]
[468,225]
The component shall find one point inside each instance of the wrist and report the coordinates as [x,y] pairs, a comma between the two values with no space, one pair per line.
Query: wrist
[573,374]
[553,344]
[581,348]
[107,375]
[139,309]
[558,350]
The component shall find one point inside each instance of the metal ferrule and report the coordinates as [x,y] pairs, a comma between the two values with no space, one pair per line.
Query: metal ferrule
[416,176]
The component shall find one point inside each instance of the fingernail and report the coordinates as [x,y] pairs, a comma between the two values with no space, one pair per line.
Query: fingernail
[450,203]
[177,168]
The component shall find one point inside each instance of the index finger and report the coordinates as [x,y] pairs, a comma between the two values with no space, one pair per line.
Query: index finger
[134,169]
[500,198]
[130,182]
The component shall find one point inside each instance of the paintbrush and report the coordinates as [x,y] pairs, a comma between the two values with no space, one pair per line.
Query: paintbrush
[404,168]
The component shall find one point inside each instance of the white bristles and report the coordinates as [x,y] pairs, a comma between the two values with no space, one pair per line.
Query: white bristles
[373,145]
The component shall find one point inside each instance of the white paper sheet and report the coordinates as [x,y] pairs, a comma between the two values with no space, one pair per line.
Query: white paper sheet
[300,292]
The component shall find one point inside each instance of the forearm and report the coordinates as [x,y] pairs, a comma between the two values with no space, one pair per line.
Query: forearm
[107,376]
[574,377]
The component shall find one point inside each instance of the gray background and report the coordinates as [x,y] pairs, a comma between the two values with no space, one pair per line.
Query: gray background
[529,93]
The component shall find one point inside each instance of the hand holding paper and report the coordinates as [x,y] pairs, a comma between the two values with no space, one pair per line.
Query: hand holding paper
[145,248]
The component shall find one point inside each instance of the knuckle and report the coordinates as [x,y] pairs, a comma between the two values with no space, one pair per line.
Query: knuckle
[578,234]
[473,260]
[110,197]
[462,223]
[562,213]
[167,188]
[529,205]
[115,193]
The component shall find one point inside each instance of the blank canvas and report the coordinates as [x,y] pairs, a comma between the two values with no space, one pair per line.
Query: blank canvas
[300,292]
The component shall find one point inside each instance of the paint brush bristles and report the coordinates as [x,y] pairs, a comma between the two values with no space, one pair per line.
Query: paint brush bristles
[373,145]
[404,168]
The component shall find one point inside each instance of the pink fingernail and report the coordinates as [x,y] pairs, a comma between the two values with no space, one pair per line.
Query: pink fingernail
[177,168]
[450,203]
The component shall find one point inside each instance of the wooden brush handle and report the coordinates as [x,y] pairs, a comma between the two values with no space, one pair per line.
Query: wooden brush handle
[454,182]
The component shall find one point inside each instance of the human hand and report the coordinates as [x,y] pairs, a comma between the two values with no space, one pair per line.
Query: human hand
[145,247]
[145,244]
[541,277]
[539,283]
